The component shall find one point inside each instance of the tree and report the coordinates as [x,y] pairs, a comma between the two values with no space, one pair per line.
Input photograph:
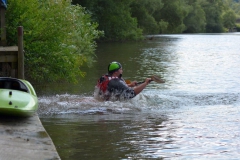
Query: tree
[229,19]
[143,10]
[234,5]
[213,10]
[114,18]
[195,21]
[58,38]
[172,15]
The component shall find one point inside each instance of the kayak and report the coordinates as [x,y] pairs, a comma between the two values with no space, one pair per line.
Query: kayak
[17,97]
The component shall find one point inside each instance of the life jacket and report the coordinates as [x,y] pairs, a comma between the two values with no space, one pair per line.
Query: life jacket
[103,82]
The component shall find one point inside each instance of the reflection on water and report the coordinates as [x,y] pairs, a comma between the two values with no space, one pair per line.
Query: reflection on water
[113,136]
[193,115]
[181,133]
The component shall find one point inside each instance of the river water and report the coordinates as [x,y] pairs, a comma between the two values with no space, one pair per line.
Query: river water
[195,114]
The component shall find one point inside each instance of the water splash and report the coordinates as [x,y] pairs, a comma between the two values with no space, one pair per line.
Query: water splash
[66,103]
[149,100]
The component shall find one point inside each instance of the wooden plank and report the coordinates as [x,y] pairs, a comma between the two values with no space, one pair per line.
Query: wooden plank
[8,58]
[9,49]
[3,27]
[20,53]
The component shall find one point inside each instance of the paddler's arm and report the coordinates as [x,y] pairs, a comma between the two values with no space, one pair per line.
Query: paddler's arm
[140,87]
[132,84]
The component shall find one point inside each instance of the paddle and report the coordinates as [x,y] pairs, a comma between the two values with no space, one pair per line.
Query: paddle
[153,78]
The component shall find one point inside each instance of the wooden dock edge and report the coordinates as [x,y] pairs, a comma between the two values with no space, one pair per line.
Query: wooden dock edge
[25,138]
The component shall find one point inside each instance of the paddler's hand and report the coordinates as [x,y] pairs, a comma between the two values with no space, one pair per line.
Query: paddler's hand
[148,80]
[132,84]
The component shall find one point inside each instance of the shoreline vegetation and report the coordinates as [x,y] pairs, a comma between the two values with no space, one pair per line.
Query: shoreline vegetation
[61,36]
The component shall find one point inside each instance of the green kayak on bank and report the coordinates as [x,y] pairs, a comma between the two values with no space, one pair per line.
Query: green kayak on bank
[17,97]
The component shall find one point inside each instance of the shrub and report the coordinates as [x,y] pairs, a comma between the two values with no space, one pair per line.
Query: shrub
[59,38]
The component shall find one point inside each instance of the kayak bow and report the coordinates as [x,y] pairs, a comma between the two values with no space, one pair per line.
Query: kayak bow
[17,97]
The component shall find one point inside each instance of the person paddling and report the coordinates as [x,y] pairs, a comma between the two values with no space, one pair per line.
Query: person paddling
[113,87]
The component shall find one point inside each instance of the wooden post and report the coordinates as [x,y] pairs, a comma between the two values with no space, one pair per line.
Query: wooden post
[20,53]
[3,41]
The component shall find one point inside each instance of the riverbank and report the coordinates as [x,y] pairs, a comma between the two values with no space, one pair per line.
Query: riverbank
[25,138]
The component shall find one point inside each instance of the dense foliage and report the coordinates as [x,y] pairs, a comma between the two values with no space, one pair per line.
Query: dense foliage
[162,16]
[59,37]
[114,18]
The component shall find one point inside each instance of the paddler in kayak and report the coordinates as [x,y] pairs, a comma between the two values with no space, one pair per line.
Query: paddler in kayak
[113,87]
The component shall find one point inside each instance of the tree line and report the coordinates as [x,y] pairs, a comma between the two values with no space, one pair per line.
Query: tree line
[60,36]
[129,19]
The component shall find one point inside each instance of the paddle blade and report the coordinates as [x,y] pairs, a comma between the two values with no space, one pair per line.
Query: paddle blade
[157,79]
[128,81]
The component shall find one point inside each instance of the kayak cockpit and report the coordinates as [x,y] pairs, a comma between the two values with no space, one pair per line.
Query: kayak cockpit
[12,83]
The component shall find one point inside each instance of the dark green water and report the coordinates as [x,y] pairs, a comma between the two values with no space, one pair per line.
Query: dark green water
[194,115]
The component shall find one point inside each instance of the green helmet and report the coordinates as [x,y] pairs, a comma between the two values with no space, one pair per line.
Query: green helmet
[114,66]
